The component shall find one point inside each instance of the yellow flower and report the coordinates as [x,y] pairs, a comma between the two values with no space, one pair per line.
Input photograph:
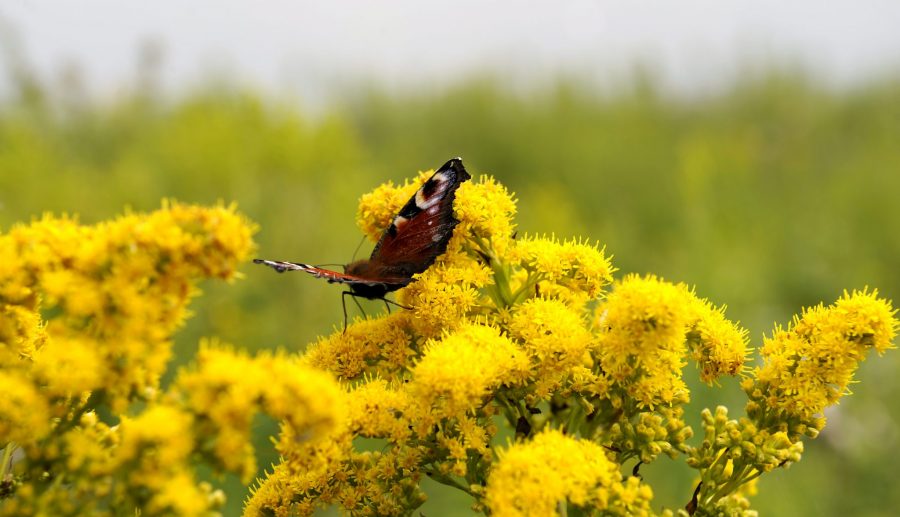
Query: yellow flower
[555,338]
[574,265]
[226,389]
[643,324]
[122,287]
[378,411]
[535,477]
[157,439]
[445,295]
[24,411]
[458,372]
[646,326]
[178,494]
[810,365]
[15,279]
[718,345]
[275,492]
[90,447]
[485,210]
[21,333]
[373,346]
[69,366]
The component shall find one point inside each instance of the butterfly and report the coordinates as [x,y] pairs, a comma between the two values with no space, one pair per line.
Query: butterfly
[417,235]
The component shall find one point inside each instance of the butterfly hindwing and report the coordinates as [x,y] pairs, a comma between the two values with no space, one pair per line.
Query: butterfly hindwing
[327,274]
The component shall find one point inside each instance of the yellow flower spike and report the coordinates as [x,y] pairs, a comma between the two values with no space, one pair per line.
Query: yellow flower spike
[718,345]
[24,411]
[535,477]
[124,285]
[227,388]
[573,271]
[810,365]
[554,337]
[444,295]
[21,333]
[643,324]
[162,429]
[90,447]
[380,346]
[69,366]
[378,411]
[458,372]
[485,210]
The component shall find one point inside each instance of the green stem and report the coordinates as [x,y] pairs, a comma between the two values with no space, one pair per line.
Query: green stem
[523,291]
[508,410]
[709,484]
[7,456]
[501,280]
[574,413]
[447,480]
[501,273]
[737,478]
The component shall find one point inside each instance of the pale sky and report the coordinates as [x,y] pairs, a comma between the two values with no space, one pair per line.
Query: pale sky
[311,49]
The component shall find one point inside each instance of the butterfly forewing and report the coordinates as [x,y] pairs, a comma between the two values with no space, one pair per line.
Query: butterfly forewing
[421,230]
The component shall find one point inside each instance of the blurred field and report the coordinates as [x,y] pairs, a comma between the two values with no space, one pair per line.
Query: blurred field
[770,197]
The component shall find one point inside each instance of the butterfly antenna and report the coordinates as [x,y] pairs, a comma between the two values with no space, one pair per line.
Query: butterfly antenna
[361,241]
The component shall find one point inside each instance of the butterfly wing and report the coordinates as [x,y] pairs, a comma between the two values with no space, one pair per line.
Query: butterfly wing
[329,275]
[421,230]
[361,285]
[418,234]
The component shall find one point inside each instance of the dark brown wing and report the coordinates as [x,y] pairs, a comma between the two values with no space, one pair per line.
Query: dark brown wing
[423,227]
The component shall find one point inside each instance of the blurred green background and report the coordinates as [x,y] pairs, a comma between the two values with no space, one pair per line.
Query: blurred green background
[770,196]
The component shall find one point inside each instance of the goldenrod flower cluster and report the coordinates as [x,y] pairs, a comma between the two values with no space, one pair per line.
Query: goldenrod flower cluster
[533,477]
[810,365]
[526,377]
[86,319]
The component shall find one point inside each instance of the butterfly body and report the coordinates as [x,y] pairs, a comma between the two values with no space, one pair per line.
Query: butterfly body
[417,235]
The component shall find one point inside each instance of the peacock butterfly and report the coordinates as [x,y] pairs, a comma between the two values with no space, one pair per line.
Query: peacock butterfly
[418,234]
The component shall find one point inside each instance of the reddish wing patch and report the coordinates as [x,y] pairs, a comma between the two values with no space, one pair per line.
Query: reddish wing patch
[418,234]
[327,274]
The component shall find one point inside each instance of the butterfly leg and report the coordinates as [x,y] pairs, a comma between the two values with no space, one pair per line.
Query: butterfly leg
[386,305]
[344,305]
[358,306]
[386,301]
